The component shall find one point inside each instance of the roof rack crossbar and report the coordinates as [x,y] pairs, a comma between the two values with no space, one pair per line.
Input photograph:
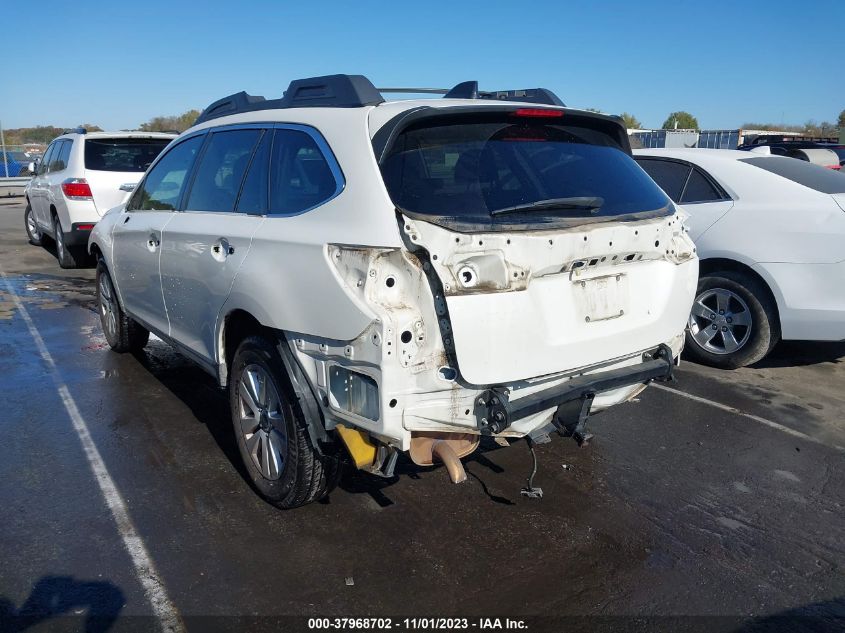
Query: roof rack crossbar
[354,91]
[338,91]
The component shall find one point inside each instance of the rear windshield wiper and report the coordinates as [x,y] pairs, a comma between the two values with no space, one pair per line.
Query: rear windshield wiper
[580,203]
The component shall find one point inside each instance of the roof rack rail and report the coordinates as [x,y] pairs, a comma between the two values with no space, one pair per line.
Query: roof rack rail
[469,90]
[338,91]
[354,91]
[76,130]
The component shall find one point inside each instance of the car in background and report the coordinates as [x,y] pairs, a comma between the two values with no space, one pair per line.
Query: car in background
[80,177]
[770,232]
[803,148]
[13,164]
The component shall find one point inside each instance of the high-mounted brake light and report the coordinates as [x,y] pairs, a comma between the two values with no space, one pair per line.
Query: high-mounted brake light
[537,112]
[77,189]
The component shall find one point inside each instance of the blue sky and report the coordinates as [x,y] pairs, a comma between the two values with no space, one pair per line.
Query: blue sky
[117,64]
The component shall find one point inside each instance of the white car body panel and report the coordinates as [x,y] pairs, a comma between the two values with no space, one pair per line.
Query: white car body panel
[791,235]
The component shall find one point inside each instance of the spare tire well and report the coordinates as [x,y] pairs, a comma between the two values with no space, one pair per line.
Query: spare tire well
[711,266]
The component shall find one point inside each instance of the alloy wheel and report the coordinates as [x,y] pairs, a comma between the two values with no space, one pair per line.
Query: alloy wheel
[720,321]
[108,314]
[34,232]
[262,422]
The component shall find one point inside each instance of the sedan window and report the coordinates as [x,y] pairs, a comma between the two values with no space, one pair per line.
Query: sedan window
[700,189]
[670,175]
[815,177]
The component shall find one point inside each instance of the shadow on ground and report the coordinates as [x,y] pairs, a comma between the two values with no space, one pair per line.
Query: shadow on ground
[95,605]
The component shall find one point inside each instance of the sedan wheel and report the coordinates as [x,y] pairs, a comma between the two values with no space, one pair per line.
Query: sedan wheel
[720,321]
[733,322]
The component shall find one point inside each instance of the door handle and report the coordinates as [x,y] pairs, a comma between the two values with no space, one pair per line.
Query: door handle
[222,249]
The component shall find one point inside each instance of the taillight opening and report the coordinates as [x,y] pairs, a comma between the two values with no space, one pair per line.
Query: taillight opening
[77,189]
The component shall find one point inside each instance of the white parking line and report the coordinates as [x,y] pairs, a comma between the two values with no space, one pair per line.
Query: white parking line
[750,416]
[153,586]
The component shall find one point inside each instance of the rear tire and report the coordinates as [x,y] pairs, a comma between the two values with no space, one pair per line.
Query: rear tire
[68,257]
[32,230]
[122,332]
[271,432]
[748,319]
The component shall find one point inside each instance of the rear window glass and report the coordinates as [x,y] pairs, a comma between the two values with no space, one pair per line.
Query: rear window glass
[122,154]
[815,177]
[501,169]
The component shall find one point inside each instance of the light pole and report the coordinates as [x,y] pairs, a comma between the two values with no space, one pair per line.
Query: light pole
[3,144]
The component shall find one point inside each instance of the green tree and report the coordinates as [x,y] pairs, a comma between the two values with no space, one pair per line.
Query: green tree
[631,122]
[178,123]
[841,121]
[685,121]
[91,127]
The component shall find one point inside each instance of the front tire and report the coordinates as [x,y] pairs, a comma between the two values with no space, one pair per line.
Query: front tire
[271,432]
[122,332]
[32,230]
[68,257]
[733,322]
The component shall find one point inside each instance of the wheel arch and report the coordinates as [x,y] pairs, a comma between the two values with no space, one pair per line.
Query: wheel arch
[234,328]
[716,264]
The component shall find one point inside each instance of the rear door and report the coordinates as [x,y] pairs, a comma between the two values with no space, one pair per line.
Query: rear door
[204,246]
[553,250]
[115,162]
[138,233]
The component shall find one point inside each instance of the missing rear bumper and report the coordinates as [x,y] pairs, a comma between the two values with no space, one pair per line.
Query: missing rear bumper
[495,412]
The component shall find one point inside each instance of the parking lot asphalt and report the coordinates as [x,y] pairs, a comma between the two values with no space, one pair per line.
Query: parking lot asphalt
[720,495]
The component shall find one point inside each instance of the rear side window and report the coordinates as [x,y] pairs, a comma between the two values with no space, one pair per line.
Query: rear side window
[669,174]
[700,189]
[498,169]
[253,198]
[122,154]
[815,177]
[221,170]
[301,176]
[162,187]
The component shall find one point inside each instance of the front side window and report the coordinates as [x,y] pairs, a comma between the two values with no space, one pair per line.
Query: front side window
[221,170]
[301,177]
[162,187]
[55,159]
[63,156]
[122,153]
[503,169]
[48,156]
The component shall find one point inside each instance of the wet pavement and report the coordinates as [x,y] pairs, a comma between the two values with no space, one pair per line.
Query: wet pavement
[678,507]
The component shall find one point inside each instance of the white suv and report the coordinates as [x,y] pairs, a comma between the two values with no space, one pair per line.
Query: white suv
[81,176]
[399,276]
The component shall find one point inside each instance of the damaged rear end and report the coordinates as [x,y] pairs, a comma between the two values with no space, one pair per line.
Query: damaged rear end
[544,276]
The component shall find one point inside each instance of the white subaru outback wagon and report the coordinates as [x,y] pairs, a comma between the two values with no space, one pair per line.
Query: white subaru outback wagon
[402,276]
